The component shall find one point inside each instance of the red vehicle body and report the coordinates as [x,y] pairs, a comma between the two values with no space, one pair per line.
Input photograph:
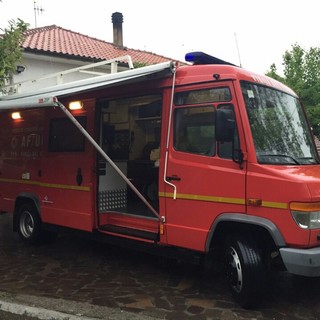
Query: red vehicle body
[202,157]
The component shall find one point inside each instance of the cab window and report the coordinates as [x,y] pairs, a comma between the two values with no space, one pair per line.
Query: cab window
[194,126]
[221,94]
[194,130]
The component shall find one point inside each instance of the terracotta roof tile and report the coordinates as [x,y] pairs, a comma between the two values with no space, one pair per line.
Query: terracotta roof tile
[56,40]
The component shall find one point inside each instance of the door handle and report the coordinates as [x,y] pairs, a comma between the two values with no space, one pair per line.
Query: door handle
[173,178]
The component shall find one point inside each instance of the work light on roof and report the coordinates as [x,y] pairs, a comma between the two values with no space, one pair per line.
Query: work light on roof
[15,115]
[75,105]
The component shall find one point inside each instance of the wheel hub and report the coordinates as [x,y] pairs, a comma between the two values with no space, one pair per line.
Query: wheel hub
[26,224]
[234,270]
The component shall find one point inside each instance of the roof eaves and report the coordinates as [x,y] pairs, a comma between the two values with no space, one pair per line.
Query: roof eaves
[63,55]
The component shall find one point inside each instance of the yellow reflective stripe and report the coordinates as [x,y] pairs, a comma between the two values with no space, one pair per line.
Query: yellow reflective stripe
[266,204]
[276,205]
[47,185]
[198,197]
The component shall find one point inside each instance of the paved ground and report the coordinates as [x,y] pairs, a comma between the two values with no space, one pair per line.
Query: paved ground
[82,277]
[10,316]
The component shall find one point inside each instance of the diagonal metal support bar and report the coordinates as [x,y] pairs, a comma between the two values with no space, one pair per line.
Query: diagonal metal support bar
[107,158]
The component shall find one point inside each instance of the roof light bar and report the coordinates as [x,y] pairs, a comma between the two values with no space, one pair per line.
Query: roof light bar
[203,58]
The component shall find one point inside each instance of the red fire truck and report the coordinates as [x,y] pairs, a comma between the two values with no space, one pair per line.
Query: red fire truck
[204,157]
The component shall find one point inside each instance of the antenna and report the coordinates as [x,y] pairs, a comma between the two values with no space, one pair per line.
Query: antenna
[235,36]
[37,10]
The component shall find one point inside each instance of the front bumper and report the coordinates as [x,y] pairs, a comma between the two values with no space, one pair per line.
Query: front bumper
[303,262]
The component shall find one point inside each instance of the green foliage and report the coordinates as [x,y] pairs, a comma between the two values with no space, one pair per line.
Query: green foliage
[10,48]
[272,73]
[302,74]
[139,64]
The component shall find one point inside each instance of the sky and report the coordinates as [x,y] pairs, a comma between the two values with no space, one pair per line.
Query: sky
[250,33]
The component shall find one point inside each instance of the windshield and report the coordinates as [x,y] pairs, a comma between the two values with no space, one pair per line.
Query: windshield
[279,129]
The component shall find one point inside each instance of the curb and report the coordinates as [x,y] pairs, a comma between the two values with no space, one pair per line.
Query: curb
[39,313]
[45,308]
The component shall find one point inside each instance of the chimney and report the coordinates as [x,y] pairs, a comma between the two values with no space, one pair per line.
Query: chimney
[117,20]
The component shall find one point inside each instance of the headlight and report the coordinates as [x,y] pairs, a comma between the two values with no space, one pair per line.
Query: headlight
[306,215]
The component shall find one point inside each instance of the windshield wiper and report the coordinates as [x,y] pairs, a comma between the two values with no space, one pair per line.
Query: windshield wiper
[261,156]
[309,160]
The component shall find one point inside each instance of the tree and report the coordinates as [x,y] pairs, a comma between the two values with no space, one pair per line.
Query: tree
[10,49]
[273,73]
[302,74]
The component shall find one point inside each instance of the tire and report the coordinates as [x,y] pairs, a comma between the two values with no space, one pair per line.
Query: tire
[244,270]
[29,224]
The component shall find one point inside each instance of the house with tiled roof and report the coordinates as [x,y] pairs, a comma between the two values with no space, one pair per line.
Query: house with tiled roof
[51,50]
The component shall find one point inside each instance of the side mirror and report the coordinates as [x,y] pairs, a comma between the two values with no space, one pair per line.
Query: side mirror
[225,125]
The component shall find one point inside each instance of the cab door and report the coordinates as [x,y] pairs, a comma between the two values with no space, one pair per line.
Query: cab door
[204,181]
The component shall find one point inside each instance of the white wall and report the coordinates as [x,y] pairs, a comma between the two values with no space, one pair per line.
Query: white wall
[37,66]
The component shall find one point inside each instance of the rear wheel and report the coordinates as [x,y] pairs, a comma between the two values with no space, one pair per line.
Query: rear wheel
[29,224]
[244,270]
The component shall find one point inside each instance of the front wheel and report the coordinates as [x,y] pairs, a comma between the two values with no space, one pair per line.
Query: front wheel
[244,270]
[29,224]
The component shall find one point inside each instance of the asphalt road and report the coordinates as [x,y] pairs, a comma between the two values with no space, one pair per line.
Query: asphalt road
[86,278]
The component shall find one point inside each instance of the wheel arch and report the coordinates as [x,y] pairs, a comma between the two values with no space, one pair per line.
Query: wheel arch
[24,198]
[262,229]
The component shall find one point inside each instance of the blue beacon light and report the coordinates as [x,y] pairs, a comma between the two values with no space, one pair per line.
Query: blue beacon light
[199,57]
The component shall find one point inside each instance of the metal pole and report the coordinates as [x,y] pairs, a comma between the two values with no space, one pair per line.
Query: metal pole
[35,14]
[235,35]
